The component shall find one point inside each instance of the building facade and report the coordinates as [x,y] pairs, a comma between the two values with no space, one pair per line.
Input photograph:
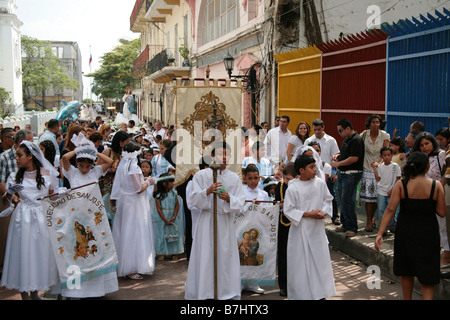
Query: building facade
[209,30]
[70,59]
[10,53]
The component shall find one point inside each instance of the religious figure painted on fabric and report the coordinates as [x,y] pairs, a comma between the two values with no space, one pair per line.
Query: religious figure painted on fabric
[83,236]
[203,113]
[248,248]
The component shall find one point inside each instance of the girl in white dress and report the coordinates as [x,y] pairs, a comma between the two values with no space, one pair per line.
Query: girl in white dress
[132,228]
[29,264]
[86,172]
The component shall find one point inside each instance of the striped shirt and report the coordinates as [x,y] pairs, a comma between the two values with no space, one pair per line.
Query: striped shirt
[8,164]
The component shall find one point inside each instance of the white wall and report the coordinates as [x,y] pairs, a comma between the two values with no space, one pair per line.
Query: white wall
[37,120]
[10,53]
[351,17]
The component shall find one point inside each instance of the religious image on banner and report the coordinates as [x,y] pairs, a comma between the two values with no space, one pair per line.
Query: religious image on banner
[80,234]
[248,248]
[256,231]
[197,131]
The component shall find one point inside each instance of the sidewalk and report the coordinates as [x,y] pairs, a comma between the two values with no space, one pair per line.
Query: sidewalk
[362,248]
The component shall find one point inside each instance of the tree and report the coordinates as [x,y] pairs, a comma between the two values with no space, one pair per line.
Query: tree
[114,74]
[6,106]
[41,70]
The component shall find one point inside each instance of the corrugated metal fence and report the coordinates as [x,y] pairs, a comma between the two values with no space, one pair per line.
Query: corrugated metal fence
[418,73]
[400,73]
[353,79]
[299,85]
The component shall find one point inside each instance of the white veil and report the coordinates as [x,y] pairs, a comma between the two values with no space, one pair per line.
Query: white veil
[127,162]
[37,153]
[316,156]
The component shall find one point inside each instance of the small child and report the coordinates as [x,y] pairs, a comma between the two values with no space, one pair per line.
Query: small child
[244,245]
[268,186]
[253,192]
[86,172]
[306,205]
[278,172]
[146,168]
[159,162]
[147,154]
[398,150]
[310,151]
[326,167]
[29,264]
[167,216]
[132,228]
[289,174]
[386,173]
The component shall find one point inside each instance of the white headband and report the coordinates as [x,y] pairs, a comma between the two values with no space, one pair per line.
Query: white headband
[85,148]
[269,184]
[171,177]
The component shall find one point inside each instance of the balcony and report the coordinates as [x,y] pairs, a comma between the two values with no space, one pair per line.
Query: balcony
[160,9]
[159,71]
[138,21]
[140,64]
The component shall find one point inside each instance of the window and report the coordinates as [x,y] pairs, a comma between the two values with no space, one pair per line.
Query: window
[220,17]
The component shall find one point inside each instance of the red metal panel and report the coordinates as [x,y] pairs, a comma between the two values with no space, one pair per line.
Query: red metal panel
[354,77]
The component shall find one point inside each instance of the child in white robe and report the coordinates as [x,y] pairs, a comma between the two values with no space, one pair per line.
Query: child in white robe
[252,192]
[307,203]
[200,274]
[132,229]
[30,264]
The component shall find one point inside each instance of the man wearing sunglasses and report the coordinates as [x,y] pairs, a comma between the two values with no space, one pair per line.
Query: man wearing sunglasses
[350,164]
[7,137]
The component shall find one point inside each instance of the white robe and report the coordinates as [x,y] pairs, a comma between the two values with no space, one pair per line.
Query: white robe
[254,194]
[309,270]
[200,274]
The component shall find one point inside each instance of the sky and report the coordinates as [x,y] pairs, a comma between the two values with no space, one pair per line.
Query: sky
[96,25]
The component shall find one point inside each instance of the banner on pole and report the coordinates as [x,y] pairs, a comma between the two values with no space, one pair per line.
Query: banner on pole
[195,133]
[80,235]
[257,230]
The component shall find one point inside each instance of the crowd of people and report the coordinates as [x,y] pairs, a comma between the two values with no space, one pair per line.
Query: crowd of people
[306,172]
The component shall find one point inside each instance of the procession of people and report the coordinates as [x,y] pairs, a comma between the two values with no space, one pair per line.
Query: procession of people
[150,219]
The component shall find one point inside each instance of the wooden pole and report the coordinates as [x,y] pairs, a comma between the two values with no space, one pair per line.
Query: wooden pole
[68,190]
[215,166]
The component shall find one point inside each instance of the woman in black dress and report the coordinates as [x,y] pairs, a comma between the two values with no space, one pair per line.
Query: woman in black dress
[417,241]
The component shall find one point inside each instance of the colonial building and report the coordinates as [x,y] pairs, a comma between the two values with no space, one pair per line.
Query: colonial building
[210,30]
[165,26]
[70,59]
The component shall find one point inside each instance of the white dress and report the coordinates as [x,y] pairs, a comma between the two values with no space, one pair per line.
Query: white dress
[132,228]
[101,285]
[200,274]
[309,270]
[29,263]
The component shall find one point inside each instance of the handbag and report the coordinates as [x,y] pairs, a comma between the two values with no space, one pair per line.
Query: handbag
[173,236]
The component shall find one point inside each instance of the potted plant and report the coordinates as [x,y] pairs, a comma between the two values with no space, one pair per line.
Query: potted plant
[184,52]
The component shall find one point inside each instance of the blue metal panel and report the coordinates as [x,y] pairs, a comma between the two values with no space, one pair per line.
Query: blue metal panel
[417,76]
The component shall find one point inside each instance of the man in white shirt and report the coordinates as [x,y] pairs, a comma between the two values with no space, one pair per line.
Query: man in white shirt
[328,147]
[159,130]
[277,141]
[328,144]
